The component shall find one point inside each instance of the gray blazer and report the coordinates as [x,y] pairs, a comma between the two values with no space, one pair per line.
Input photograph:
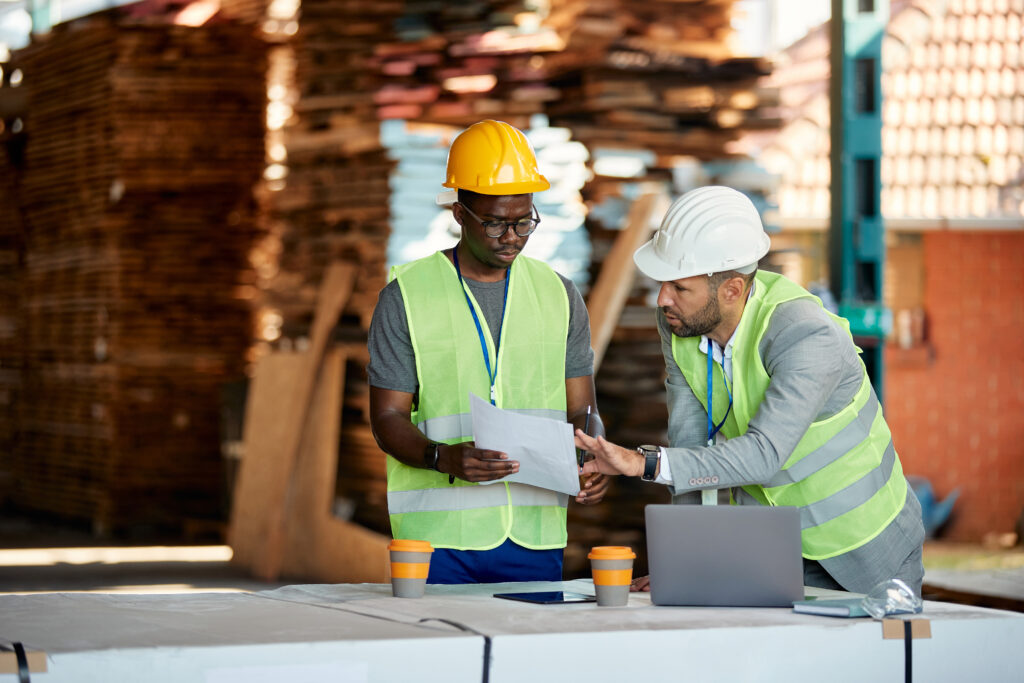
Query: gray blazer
[815,372]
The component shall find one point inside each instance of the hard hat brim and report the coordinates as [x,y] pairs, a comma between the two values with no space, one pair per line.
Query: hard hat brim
[524,187]
[650,264]
[447,198]
[653,266]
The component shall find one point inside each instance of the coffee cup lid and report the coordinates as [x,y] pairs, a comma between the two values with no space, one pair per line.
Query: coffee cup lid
[611,552]
[410,546]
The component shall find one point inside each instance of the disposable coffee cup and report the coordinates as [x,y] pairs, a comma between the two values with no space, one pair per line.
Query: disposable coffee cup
[410,564]
[612,566]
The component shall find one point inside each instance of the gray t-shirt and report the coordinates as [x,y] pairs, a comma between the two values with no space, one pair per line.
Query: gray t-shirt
[393,365]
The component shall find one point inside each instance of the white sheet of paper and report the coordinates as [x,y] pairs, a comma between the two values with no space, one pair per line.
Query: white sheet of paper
[544,447]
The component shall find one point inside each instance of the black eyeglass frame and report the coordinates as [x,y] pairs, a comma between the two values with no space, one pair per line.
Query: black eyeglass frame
[489,226]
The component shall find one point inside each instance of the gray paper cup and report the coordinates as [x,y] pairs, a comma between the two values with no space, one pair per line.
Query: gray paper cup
[410,564]
[612,567]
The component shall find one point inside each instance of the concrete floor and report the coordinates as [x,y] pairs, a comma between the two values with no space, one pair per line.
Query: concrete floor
[39,557]
[986,576]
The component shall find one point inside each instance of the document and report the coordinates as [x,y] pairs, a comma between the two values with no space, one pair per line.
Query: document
[544,447]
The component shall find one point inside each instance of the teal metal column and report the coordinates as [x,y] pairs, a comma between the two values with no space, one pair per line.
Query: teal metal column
[857,233]
[40,11]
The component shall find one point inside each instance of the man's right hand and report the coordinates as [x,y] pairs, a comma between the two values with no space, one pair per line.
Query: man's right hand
[467,462]
[608,457]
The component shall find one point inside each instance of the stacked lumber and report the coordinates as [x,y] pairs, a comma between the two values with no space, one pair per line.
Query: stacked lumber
[458,63]
[11,239]
[328,201]
[359,63]
[255,12]
[653,90]
[332,202]
[143,144]
[657,75]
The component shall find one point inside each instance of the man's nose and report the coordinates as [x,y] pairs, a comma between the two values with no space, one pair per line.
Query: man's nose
[509,236]
[664,296]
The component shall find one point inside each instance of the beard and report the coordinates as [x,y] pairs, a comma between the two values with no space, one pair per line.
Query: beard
[700,323]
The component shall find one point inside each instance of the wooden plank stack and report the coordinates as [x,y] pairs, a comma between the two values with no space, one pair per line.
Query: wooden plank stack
[332,205]
[334,202]
[144,143]
[11,253]
[656,75]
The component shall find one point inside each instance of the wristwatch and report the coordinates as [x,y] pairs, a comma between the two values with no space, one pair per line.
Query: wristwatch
[652,456]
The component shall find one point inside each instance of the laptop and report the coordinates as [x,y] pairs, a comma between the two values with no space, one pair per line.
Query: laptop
[724,555]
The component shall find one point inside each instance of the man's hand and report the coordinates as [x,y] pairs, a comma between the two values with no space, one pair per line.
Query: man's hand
[593,489]
[609,458]
[641,584]
[466,461]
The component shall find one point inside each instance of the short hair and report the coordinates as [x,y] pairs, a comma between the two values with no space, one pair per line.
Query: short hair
[468,197]
[715,280]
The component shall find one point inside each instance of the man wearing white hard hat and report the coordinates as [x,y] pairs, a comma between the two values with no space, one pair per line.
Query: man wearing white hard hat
[768,398]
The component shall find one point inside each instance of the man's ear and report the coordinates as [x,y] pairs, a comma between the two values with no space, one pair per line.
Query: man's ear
[733,289]
[457,213]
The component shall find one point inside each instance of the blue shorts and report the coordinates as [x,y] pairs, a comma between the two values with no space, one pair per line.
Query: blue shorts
[508,562]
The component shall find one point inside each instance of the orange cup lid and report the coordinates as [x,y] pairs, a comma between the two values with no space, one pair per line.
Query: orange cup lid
[410,546]
[611,552]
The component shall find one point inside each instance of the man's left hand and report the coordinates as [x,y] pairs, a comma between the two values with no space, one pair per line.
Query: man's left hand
[594,486]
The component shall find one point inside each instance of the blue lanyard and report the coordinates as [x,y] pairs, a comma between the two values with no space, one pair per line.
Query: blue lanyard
[712,429]
[492,376]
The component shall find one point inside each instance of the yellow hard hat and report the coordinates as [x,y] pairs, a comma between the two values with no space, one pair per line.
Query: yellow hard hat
[492,157]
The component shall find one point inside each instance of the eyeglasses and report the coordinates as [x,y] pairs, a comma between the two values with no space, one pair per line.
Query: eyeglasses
[494,229]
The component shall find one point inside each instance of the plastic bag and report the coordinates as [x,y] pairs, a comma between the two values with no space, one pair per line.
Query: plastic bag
[891,597]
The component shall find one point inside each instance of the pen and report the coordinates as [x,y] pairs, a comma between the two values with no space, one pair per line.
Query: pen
[586,430]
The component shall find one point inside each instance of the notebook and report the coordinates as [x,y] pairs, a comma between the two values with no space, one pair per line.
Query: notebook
[832,607]
[724,555]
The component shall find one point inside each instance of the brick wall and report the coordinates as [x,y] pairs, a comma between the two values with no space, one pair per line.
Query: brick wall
[957,410]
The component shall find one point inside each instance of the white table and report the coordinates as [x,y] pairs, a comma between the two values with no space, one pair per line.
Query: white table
[358,632]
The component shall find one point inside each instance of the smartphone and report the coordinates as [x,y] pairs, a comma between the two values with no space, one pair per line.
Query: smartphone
[547,597]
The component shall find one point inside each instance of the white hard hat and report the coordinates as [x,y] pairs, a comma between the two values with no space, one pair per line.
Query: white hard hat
[707,230]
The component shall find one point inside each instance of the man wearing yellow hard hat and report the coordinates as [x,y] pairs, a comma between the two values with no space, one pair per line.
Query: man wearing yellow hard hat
[480,318]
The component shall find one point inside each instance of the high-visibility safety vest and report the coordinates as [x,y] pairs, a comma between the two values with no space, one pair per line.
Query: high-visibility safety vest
[844,474]
[449,365]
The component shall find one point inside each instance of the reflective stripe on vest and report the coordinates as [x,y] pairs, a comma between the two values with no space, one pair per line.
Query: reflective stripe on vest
[456,428]
[844,474]
[471,497]
[449,365]
[845,440]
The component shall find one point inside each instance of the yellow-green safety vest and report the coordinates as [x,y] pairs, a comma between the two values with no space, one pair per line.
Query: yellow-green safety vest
[449,365]
[844,474]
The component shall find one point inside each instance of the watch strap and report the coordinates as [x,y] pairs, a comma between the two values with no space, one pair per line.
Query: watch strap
[652,456]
